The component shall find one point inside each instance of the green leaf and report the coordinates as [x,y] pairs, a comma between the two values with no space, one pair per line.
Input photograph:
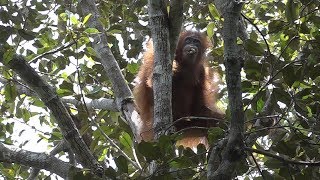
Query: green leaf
[210,28]
[133,52]
[64,16]
[315,20]
[66,88]
[40,6]
[282,95]
[260,104]
[292,11]
[3,2]
[243,166]
[273,163]
[133,18]
[181,162]
[8,173]
[66,85]
[125,140]
[253,48]
[74,20]
[5,33]
[64,92]
[27,35]
[91,31]
[300,107]
[276,26]
[149,150]
[289,75]
[247,86]
[166,146]
[9,128]
[111,173]
[214,134]
[26,115]
[84,40]
[91,51]
[85,20]
[10,92]
[81,175]
[122,163]
[38,102]
[133,67]
[213,11]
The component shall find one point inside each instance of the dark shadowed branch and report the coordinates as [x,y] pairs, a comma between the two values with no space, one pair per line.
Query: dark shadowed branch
[282,159]
[175,24]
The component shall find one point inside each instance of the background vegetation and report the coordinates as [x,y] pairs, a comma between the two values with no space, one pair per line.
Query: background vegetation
[280,48]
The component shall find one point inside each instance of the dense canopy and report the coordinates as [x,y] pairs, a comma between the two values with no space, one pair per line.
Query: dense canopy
[67,69]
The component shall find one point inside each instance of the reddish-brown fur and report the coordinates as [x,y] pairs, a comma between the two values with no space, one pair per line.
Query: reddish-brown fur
[193,93]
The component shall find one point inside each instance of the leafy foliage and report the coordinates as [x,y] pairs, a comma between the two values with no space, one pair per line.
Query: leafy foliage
[281,67]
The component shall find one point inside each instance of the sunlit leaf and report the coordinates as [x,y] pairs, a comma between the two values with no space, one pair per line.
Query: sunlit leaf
[214,12]
[91,31]
[74,20]
[85,20]
[10,92]
[210,29]
[125,140]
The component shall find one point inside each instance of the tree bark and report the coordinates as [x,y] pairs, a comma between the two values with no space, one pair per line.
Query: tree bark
[36,160]
[234,150]
[102,103]
[59,111]
[175,24]
[124,97]
[162,72]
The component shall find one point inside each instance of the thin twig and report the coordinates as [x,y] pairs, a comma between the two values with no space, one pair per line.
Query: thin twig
[52,52]
[255,26]
[193,127]
[116,146]
[135,164]
[257,165]
[269,81]
[283,159]
[189,118]
[266,128]
[262,117]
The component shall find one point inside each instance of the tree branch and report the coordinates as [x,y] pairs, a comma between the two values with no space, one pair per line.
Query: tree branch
[283,159]
[233,152]
[135,164]
[59,111]
[65,46]
[215,157]
[61,146]
[102,103]
[162,71]
[122,91]
[175,24]
[36,160]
